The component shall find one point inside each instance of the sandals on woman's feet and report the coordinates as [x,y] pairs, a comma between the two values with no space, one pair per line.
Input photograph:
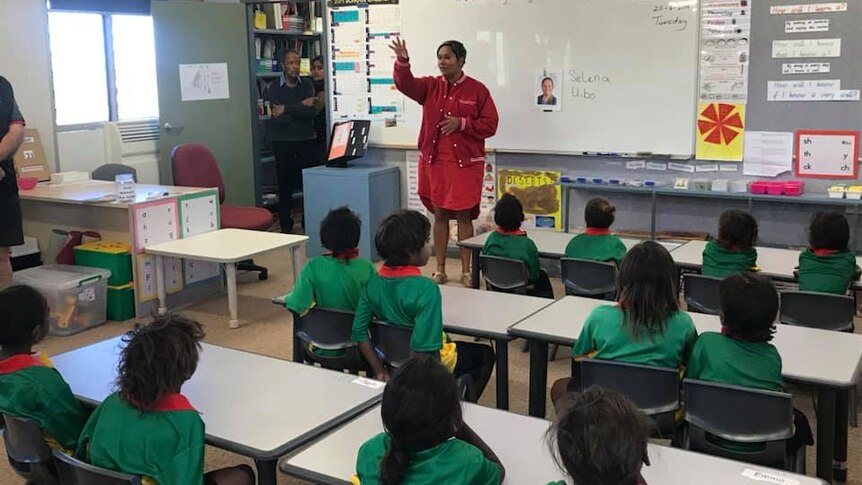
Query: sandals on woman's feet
[467,280]
[439,277]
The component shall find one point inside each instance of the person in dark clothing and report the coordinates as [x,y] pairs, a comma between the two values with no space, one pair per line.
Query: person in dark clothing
[11,137]
[291,131]
[318,80]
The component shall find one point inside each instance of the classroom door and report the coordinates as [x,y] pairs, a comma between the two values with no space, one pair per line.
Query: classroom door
[202,63]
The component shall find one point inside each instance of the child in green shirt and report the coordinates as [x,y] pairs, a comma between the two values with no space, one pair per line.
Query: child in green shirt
[600,438]
[29,385]
[734,251]
[401,295]
[827,265]
[509,241]
[741,354]
[147,427]
[426,440]
[597,243]
[645,326]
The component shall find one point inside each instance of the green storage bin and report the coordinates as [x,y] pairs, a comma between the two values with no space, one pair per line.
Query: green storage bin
[121,302]
[113,256]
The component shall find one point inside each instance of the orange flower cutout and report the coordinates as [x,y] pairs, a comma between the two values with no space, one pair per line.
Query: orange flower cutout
[722,125]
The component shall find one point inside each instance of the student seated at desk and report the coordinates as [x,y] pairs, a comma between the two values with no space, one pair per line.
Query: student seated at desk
[734,251]
[741,354]
[426,440]
[30,387]
[645,326]
[510,241]
[600,438]
[147,428]
[335,279]
[597,243]
[827,265]
[401,295]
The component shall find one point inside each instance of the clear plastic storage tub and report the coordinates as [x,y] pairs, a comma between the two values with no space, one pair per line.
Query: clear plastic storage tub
[77,295]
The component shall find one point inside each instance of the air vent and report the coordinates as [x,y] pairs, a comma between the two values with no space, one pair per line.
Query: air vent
[135,131]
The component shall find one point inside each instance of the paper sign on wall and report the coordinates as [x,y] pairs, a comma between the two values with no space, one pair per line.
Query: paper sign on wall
[539,192]
[808,25]
[808,8]
[200,82]
[154,223]
[805,68]
[720,131]
[827,154]
[784,49]
[768,153]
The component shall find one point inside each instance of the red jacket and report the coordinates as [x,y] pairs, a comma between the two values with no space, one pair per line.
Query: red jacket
[468,99]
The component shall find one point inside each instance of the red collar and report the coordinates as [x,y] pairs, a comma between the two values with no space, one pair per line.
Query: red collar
[172,402]
[399,271]
[824,252]
[516,232]
[18,362]
[344,255]
[597,231]
[460,79]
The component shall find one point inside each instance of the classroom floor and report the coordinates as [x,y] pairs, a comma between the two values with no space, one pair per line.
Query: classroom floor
[266,330]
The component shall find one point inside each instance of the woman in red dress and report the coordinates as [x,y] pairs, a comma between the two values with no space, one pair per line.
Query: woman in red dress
[458,114]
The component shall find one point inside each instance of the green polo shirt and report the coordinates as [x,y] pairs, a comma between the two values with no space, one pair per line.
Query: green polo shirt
[453,461]
[31,389]
[717,358]
[826,273]
[402,296]
[514,245]
[165,444]
[596,247]
[721,262]
[606,336]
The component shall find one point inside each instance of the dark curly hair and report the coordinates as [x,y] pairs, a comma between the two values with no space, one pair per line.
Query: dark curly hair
[23,316]
[157,359]
[737,228]
[599,213]
[829,230]
[402,235]
[749,304]
[340,229]
[509,213]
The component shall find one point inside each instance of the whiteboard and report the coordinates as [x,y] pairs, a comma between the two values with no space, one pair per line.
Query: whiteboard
[628,70]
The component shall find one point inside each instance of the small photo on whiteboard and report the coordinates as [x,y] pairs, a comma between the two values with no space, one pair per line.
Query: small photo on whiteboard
[548,89]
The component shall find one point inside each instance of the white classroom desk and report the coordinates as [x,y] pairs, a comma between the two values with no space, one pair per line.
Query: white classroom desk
[527,459]
[827,360]
[252,405]
[549,243]
[228,247]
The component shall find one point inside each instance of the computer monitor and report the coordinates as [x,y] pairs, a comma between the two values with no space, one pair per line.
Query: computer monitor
[348,142]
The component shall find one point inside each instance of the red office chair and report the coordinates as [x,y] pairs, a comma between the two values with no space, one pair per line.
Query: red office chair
[195,166]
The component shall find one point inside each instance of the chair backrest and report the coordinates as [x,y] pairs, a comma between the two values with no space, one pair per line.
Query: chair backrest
[325,328]
[701,293]
[504,274]
[654,390]
[194,165]
[109,172]
[76,472]
[817,310]
[592,279]
[25,441]
[391,342]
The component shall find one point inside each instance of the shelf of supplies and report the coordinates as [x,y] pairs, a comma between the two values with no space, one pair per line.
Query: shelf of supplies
[288,33]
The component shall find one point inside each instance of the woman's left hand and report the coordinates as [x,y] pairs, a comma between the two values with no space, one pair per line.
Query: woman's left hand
[450,125]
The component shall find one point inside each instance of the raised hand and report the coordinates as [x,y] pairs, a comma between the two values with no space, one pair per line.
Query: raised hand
[399,46]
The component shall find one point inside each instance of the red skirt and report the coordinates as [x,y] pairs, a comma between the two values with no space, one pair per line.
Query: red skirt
[445,185]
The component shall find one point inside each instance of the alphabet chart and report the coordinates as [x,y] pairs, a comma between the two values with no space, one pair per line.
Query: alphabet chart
[199,213]
[827,154]
[154,223]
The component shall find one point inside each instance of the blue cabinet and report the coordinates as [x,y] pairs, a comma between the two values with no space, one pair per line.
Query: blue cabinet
[373,192]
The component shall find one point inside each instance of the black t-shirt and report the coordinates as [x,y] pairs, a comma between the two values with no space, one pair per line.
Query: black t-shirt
[9,114]
[297,121]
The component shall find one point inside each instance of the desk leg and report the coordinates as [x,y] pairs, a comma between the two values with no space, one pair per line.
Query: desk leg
[839,465]
[566,212]
[298,260]
[474,268]
[160,285]
[502,374]
[825,432]
[538,378]
[230,269]
[266,471]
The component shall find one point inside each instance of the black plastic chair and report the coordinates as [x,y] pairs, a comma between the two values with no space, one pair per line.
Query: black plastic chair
[743,416]
[28,453]
[701,293]
[817,310]
[504,274]
[591,279]
[76,472]
[109,172]
[327,329]
[654,390]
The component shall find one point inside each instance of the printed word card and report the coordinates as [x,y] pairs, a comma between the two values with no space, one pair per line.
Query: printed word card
[197,271]
[154,223]
[146,277]
[827,154]
[173,274]
[199,213]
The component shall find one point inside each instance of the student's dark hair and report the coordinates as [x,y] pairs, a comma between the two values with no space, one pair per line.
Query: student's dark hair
[400,236]
[599,213]
[509,213]
[457,48]
[829,230]
[158,358]
[749,304]
[648,290]
[547,79]
[318,59]
[600,438]
[737,228]
[285,53]
[22,310]
[420,409]
[340,229]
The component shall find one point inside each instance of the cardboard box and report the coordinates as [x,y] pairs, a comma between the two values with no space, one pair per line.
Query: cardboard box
[30,159]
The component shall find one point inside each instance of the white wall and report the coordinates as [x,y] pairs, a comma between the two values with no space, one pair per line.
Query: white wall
[26,62]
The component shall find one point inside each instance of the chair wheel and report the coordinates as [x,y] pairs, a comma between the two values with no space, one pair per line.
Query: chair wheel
[263,275]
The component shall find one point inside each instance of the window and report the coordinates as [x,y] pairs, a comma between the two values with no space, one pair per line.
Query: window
[104,67]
